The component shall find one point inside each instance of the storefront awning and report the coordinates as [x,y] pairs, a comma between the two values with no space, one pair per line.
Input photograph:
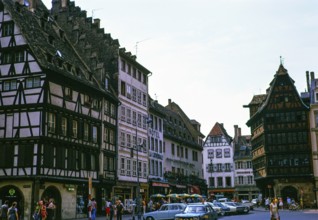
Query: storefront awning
[160,184]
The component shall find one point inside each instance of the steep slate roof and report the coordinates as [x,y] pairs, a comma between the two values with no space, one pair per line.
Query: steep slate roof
[280,72]
[36,29]
[175,108]
[219,130]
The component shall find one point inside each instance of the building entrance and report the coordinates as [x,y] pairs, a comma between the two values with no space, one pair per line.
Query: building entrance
[13,194]
[52,192]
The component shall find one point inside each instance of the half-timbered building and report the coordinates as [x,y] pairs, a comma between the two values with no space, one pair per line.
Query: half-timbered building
[57,118]
[281,147]
[218,162]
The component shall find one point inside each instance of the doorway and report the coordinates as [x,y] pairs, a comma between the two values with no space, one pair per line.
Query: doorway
[52,192]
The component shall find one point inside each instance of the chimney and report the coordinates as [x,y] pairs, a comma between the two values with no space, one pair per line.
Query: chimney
[235,132]
[64,3]
[32,5]
[239,132]
[308,81]
[97,22]
[169,101]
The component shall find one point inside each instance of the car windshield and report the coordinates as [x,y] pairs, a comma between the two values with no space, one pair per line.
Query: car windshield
[194,209]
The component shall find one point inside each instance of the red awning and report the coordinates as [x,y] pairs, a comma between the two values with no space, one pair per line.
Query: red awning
[160,184]
[195,190]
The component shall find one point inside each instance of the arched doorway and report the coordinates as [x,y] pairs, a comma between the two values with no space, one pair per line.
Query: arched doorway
[13,194]
[289,191]
[52,192]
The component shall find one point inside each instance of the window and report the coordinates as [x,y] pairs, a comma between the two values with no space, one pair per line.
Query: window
[87,100]
[123,113]
[139,120]
[211,181]
[64,126]
[218,153]
[194,156]
[128,115]
[19,56]
[227,153]
[86,131]
[178,151]
[123,88]
[210,153]
[128,91]
[7,57]
[51,122]
[139,96]
[228,181]
[74,128]
[112,110]
[134,94]
[123,65]
[33,82]
[25,156]
[172,149]
[68,93]
[220,182]
[95,134]
[186,153]
[9,85]
[7,28]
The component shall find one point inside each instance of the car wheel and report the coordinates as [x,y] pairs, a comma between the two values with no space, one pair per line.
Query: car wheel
[149,218]
[222,213]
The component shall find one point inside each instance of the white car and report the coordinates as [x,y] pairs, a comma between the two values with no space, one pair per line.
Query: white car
[217,208]
[232,208]
[166,212]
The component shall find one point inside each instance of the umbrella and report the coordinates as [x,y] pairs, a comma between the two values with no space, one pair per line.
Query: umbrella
[173,195]
[183,195]
[158,195]
[195,196]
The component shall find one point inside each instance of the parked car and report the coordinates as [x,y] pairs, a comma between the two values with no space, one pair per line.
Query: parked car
[231,207]
[226,210]
[217,208]
[166,212]
[249,204]
[197,212]
[240,208]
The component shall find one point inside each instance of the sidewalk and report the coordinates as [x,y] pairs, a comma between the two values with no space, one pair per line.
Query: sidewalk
[125,217]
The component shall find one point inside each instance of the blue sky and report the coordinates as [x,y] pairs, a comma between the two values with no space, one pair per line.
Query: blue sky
[212,56]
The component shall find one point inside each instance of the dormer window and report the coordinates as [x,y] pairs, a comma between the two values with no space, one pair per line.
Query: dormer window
[68,93]
[87,100]
[7,29]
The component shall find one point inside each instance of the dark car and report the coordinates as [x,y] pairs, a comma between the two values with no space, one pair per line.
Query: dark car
[197,212]
[166,212]
[240,208]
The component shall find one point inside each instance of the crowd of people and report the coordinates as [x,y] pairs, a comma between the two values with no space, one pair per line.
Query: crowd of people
[44,210]
[9,212]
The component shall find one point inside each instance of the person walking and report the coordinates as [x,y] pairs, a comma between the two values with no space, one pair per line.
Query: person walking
[120,210]
[13,212]
[273,210]
[4,210]
[107,208]
[94,208]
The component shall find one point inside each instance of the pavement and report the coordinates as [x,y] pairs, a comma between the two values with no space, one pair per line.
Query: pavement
[125,217]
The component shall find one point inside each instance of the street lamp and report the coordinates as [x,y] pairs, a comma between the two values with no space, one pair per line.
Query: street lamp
[138,182]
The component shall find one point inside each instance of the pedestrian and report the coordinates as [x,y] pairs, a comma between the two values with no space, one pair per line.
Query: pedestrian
[266,203]
[281,204]
[107,208]
[4,210]
[150,205]
[89,207]
[112,211]
[120,210]
[13,212]
[273,210]
[144,205]
[50,209]
[94,208]
[288,200]
[42,210]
